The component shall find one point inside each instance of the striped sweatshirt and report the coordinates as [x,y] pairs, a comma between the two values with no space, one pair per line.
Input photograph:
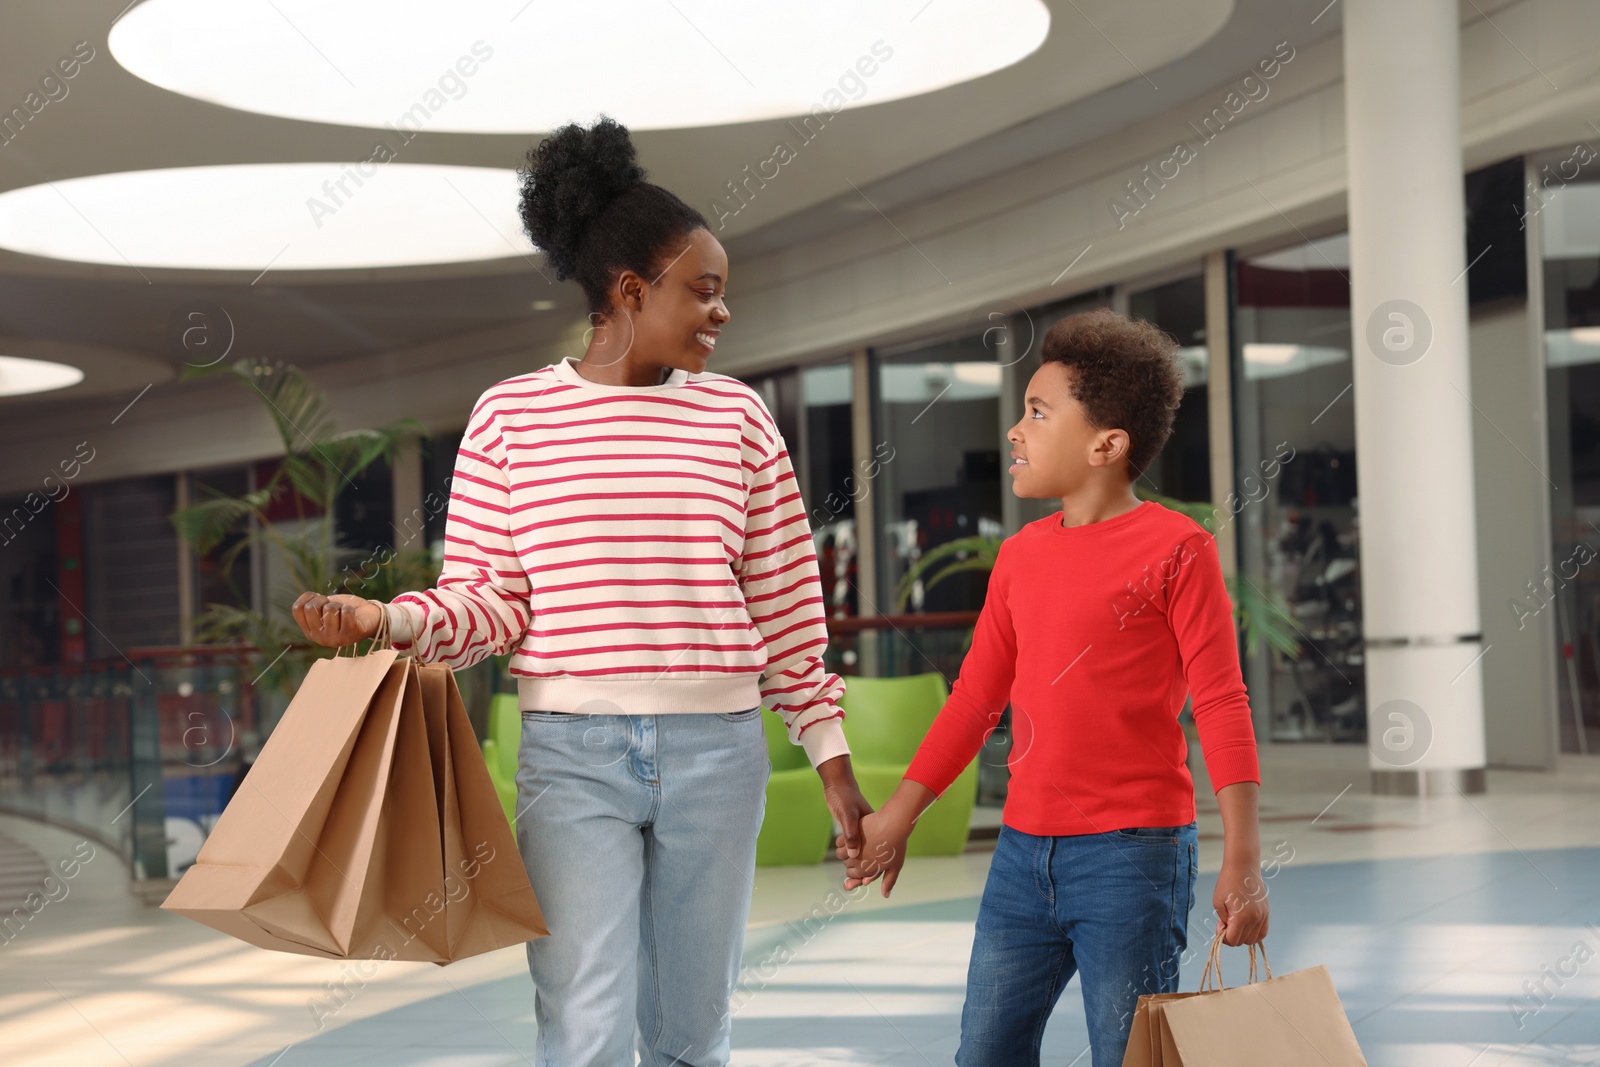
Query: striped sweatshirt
[642,549]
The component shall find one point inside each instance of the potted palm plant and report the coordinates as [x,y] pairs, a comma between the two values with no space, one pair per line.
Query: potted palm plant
[319,464]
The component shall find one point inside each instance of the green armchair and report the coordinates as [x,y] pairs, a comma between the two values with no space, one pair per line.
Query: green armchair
[885,719]
[797,827]
[500,750]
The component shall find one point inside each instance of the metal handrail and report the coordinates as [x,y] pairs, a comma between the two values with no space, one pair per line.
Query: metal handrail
[931,620]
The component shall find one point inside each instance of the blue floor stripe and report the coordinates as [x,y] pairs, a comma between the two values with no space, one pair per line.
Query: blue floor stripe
[1374,924]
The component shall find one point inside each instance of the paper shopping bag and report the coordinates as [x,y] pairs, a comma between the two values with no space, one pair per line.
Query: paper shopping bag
[500,908]
[367,828]
[1144,1036]
[1146,1047]
[1291,1019]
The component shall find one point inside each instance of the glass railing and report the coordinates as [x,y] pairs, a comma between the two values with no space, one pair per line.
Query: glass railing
[64,749]
[143,752]
[140,753]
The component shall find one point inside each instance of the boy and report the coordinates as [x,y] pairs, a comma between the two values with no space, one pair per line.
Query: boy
[1098,621]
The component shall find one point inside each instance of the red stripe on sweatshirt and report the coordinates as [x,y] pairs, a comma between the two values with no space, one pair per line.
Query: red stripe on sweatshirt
[689,495]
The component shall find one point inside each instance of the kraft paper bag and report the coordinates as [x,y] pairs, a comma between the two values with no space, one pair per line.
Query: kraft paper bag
[1292,1019]
[1144,1036]
[368,827]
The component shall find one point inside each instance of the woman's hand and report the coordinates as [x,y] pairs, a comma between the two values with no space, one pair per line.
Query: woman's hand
[844,799]
[336,620]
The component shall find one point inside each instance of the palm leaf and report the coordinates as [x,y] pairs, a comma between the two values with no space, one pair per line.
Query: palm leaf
[1263,617]
[207,524]
[1196,510]
[301,413]
[981,548]
[318,464]
[958,567]
[381,577]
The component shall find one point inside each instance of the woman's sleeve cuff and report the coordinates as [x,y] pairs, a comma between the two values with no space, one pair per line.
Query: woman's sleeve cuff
[823,741]
[402,629]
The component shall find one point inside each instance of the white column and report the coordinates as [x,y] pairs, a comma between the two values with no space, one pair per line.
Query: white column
[1219,409]
[1408,312]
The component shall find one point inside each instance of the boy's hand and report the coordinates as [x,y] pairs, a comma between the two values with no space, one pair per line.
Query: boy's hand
[1241,896]
[1241,903]
[844,799]
[883,850]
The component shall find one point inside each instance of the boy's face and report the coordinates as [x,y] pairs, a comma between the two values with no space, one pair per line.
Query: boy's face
[1055,449]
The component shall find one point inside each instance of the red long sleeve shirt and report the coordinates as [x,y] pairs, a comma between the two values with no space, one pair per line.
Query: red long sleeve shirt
[1095,634]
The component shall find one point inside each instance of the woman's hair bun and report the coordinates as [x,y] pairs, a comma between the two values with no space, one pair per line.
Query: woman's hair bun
[570,178]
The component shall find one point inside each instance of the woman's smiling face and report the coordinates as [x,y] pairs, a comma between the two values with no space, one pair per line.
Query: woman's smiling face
[676,319]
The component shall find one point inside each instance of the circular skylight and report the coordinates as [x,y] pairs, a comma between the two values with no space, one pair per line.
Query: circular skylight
[277,216]
[19,376]
[509,66]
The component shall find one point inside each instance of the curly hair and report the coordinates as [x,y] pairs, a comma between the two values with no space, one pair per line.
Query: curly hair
[1127,377]
[587,206]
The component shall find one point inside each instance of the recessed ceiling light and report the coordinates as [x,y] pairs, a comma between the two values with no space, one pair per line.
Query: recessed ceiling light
[19,376]
[977,373]
[277,216]
[1279,360]
[494,66]
[542,305]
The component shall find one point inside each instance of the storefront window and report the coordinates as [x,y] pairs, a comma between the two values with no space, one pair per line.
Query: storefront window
[829,481]
[938,480]
[438,471]
[30,610]
[1183,470]
[222,575]
[130,565]
[1295,504]
[1566,203]
[811,406]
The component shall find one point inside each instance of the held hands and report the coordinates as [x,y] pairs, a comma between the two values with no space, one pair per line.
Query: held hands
[1241,903]
[844,799]
[882,850]
[336,620]
[884,835]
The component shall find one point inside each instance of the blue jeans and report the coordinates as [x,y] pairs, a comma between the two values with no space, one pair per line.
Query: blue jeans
[1112,907]
[639,836]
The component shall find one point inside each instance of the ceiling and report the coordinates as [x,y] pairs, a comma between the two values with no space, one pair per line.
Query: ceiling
[1103,65]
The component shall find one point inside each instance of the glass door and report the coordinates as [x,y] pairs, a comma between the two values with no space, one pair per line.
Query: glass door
[1295,500]
[1567,204]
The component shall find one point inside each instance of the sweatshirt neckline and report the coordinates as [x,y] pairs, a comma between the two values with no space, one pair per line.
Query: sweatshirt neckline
[567,372]
[1090,529]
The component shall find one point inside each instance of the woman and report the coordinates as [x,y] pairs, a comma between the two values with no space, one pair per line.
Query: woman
[630,525]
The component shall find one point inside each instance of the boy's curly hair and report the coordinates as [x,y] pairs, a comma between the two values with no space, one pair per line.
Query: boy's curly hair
[1127,377]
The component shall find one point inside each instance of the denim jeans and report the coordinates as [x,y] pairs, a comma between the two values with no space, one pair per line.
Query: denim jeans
[1112,907]
[639,836]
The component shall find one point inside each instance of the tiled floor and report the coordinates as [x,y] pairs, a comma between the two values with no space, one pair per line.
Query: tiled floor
[1436,918]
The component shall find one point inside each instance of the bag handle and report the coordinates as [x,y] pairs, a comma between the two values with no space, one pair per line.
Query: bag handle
[380,637]
[1213,968]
